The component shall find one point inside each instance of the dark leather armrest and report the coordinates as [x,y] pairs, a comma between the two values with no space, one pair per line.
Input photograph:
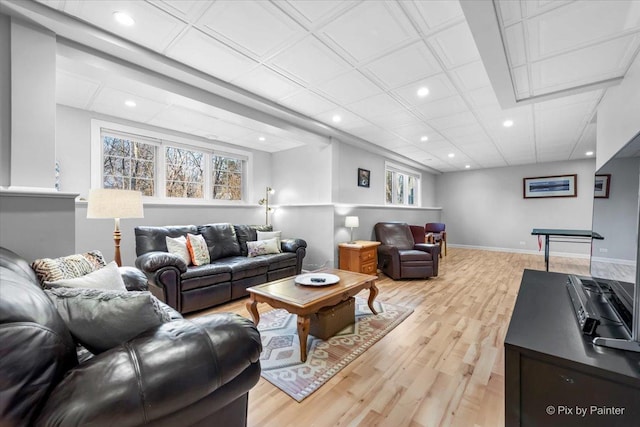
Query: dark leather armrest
[134,279]
[160,372]
[386,250]
[153,261]
[292,245]
[433,249]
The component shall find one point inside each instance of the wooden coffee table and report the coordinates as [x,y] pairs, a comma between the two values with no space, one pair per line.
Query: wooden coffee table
[306,300]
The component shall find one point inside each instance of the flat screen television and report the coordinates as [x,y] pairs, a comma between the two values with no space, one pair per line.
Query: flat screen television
[614,260]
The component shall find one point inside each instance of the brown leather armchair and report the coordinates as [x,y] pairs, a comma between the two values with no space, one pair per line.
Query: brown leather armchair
[400,257]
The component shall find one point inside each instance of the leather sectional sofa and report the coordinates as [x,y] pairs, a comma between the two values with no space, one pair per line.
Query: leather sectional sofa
[178,373]
[229,274]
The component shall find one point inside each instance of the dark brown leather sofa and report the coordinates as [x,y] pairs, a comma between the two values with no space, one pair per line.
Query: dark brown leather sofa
[227,277]
[180,373]
[400,257]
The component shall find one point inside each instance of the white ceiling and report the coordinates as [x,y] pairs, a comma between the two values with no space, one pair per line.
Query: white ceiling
[365,60]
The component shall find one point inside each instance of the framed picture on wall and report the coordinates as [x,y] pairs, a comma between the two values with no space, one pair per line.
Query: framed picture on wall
[550,186]
[603,182]
[363,177]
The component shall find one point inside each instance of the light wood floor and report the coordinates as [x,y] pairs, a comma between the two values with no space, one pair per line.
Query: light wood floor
[443,366]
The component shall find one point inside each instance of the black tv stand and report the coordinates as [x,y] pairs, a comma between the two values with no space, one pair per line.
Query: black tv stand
[553,370]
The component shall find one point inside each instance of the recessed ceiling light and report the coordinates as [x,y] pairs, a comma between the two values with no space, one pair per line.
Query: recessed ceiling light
[262,138]
[467,166]
[451,155]
[589,153]
[123,19]
[424,138]
[507,123]
[336,119]
[423,91]
[130,103]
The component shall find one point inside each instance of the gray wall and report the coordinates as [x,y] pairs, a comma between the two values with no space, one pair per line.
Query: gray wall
[485,208]
[616,217]
[5,101]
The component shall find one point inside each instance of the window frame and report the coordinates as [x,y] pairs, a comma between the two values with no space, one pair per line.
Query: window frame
[406,173]
[162,141]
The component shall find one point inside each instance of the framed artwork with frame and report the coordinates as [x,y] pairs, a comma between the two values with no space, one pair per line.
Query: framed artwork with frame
[602,185]
[550,186]
[364,177]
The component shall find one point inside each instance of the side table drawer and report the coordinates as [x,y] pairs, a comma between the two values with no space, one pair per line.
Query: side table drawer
[369,268]
[368,254]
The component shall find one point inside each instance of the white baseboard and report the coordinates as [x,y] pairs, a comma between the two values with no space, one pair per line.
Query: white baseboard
[520,251]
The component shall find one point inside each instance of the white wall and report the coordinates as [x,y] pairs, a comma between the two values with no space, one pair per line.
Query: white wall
[618,115]
[486,208]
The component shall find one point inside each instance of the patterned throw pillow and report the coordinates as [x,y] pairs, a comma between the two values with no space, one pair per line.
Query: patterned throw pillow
[107,277]
[198,249]
[263,247]
[264,235]
[68,267]
[178,246]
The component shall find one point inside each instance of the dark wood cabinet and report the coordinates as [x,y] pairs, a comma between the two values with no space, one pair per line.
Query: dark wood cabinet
[554,374]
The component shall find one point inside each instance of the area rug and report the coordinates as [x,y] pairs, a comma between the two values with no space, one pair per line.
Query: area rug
[280,358]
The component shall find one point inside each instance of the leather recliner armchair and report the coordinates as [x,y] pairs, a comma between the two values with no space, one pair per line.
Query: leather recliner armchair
[400,257]
[186,373]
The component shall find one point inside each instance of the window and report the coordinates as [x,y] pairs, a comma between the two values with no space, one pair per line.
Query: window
[128,164]
[402,186]
[164,167]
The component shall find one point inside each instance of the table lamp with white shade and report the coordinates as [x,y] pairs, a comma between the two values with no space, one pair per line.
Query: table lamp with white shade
[116,204]
[352,222]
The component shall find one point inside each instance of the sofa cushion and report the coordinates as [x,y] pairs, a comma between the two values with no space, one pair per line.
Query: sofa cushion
[221,240]
[149,239]
[263,247]
[108,277]
[242,267]
[213,269]
[281,260]
[198,249]
[413,255]
[103,319]
[68,267]
[248,233]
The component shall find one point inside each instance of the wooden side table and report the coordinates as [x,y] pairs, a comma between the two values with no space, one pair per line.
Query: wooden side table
[360,256]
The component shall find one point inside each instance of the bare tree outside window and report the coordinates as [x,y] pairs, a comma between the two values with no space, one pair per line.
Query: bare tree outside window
[226,181]
[184,173]
[401,188]
[128,165]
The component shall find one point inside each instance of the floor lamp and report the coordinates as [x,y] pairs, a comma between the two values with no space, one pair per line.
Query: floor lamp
[116,204]
[265,202]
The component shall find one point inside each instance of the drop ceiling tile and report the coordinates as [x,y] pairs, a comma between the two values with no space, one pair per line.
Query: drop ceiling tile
[111,101]
[188,10]
[471,76]
[369,30]
[374,106]
[256,28]
[231,131]
[174,116]
[373,133]
[309,61]
[521,81]
[314,12]
[348,119]
[349,87]
[455,46]
[516,50]
[436,13]
[74,90]
[200,51]
[580,23]
[307,102]
[414,132]
[442,107]
[439,87]
[447,122]
[267,83]
[396,119]
[391,143]
[404,66]
[473,129]
[483,97]
[535,7]
[510,12]
[583,66]
[153,27]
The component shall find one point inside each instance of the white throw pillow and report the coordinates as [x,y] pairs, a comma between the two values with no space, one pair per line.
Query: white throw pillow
[263,247]
[178,246]
[264,235]
[108,277]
